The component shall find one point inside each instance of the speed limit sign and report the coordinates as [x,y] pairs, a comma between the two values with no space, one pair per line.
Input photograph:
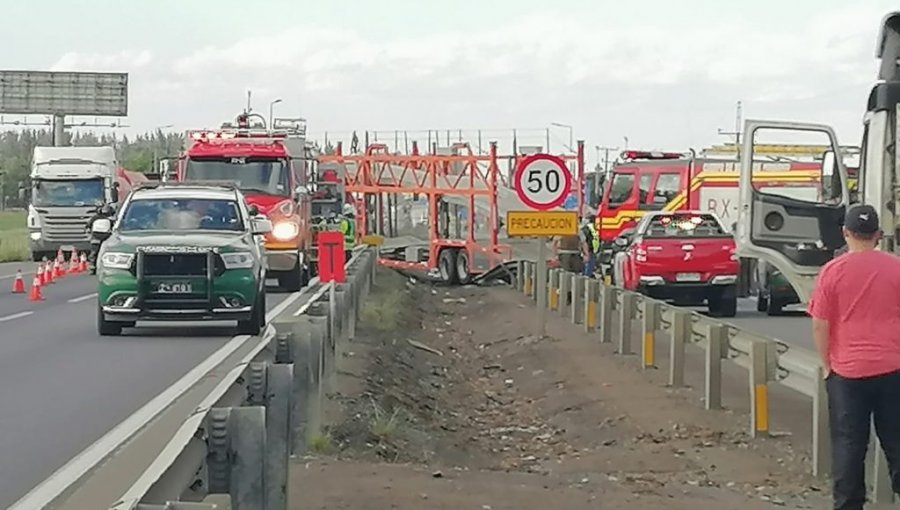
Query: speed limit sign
[542,181]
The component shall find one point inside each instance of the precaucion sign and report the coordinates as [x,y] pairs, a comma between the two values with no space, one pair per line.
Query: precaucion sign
[541,223]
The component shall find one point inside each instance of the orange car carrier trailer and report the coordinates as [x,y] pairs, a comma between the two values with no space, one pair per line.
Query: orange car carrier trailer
[463,178]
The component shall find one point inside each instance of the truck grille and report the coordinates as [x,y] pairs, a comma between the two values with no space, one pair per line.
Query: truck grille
[70,228]
[190,302]
[179,264]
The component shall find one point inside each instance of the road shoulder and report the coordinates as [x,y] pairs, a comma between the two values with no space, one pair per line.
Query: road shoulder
[447,400]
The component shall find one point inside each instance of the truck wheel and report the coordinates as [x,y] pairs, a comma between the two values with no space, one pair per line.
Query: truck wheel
[105,327]
[722,302]
[253,325]
[292,281]
[774,307]
[462,267]
[262,306]
[762,303]
[728,302]
[447,266]
[37,256]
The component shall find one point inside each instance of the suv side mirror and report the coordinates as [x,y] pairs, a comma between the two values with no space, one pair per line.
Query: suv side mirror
[253,210]
[101,228]
[260,226]
[622,241]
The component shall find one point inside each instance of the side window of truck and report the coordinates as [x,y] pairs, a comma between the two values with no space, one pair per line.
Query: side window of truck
[646,180]
[621,189]
[667,188]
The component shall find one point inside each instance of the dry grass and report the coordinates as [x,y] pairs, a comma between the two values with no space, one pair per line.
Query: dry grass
[386,312]
[13,237]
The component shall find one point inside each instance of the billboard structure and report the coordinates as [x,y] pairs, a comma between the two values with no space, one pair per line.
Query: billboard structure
[63,93]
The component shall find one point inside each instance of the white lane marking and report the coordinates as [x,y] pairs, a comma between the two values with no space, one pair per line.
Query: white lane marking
[83,298]
[10,276]
[15,316]
[51,488]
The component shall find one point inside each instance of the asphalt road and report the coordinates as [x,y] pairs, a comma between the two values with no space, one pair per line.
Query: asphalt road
[793,326]
[64,387]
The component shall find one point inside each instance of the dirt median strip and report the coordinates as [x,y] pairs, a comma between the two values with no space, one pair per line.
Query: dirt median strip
[506,420]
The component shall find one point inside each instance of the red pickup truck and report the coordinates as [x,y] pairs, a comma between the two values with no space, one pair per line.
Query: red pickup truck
[687,257]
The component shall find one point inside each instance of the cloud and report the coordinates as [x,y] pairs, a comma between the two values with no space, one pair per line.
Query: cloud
[100,62]
[662,85]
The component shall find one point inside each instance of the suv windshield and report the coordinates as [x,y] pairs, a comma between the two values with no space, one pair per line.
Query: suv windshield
[259,175]
[68,193]
[179,214]
[684,225]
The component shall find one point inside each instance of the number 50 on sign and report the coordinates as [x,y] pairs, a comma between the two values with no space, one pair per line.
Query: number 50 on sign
[542,181]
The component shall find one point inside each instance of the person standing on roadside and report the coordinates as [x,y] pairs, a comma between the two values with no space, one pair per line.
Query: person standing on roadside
[855,312]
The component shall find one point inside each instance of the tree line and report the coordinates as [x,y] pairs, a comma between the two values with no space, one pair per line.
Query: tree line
[138,153]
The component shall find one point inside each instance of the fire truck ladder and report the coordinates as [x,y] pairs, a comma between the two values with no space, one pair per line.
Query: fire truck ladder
[444,180]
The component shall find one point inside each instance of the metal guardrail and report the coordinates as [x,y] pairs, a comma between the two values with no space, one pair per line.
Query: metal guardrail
[767,360]
[261,403]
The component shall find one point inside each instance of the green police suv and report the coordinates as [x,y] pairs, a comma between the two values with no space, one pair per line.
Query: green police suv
[182,251]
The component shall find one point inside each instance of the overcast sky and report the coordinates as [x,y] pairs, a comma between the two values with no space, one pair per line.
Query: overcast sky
[664,73]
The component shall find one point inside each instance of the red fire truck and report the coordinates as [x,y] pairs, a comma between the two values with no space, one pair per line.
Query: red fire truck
[271,166]
[670,181]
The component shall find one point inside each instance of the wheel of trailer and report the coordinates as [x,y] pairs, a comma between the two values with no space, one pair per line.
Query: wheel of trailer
[37,256]
[105,327]
[463,272]
[447,265]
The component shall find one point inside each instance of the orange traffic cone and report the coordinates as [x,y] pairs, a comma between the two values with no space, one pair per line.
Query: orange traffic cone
[36,290]
[57,270]
[19,284]
[41,274]
[84,263]
[60,256]
[73,262]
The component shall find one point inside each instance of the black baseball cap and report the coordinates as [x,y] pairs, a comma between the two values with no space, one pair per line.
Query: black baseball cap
[861,219]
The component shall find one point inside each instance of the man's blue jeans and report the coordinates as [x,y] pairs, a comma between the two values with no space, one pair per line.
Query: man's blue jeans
[590,265]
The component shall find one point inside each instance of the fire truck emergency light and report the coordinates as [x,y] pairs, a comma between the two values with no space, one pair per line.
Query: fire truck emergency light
[651,155]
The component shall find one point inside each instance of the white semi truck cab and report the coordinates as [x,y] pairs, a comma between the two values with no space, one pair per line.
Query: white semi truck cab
[68,185]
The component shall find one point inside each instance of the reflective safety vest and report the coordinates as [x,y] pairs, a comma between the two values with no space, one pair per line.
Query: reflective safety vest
[595,243]
[348,228]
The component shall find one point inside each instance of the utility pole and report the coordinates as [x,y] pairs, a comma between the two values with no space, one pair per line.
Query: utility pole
[737,130]
[605,156]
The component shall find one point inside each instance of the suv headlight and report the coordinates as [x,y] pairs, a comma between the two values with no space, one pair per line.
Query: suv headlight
[285,231]
[113,260]
[238,260]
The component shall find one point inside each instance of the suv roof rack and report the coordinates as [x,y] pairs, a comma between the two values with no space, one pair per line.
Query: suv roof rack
[228,185]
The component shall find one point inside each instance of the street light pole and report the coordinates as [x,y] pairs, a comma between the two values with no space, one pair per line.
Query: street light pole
[568,127]
[272,112]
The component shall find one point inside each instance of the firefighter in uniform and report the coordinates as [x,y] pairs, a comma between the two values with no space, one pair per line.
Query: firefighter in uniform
[348,228]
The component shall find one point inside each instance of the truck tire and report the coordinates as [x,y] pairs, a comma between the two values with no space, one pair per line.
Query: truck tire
[447,266]
[774,307]
[253,325]
[105,327]
[294,280]
[723,302]
[762,302]
[463,272]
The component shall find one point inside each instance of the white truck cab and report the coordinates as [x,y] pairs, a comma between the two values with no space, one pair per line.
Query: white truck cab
[68,185]
[799,236]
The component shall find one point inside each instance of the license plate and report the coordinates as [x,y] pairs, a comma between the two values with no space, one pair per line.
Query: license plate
[174,288]
[688,277]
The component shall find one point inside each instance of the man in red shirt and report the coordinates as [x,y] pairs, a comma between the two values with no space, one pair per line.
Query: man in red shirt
[855,312]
